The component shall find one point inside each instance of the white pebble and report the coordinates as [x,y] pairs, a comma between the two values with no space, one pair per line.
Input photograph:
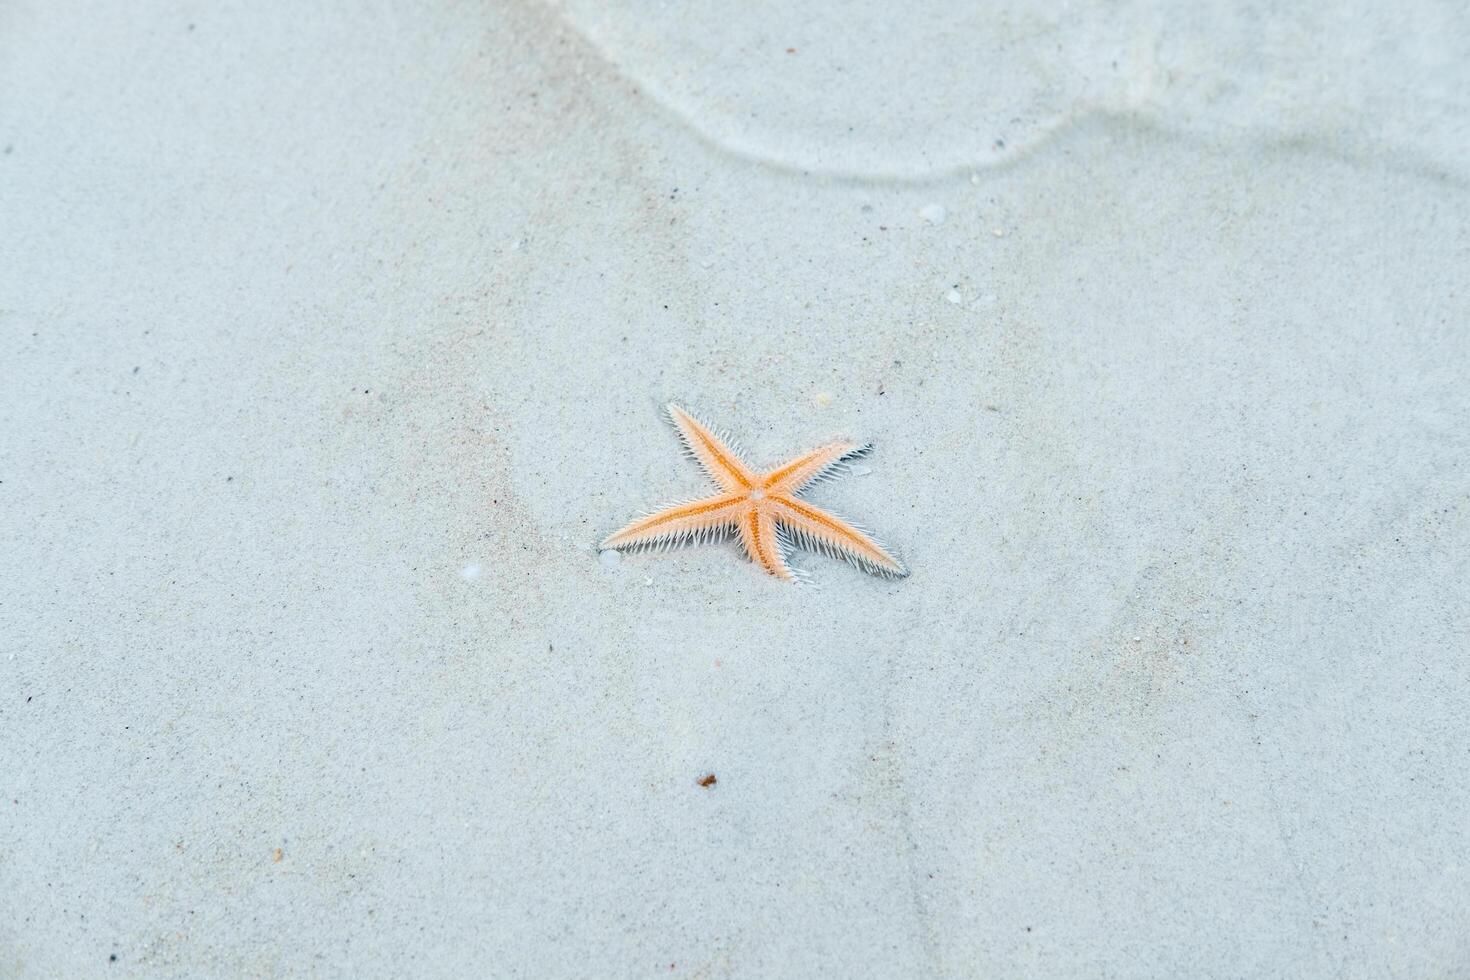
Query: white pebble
[610,557]
[933,213]
[953,296]
[470,572]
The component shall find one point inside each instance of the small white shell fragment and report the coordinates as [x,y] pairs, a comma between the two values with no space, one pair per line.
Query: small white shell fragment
[933,213]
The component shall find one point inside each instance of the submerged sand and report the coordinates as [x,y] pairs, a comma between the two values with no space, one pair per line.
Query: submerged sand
[335,339]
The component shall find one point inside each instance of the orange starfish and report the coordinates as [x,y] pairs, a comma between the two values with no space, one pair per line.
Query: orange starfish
[764,508]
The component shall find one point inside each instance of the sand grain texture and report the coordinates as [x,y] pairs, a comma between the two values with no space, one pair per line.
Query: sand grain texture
[334,338]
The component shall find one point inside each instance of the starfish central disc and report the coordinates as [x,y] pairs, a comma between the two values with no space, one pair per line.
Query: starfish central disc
[764,509]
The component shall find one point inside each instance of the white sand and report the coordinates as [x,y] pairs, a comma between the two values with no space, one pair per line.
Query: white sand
[334,339]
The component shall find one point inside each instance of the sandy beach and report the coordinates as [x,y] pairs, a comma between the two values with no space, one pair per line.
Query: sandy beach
[334,338]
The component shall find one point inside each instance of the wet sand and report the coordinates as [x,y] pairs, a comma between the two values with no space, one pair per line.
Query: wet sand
[335,340]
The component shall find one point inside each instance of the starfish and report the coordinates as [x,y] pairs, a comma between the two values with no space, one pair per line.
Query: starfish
[763,508]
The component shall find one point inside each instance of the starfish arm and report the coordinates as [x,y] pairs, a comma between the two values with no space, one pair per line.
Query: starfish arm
[712,449]
[805,470]
[829,533]
[762,543]
[692,521]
